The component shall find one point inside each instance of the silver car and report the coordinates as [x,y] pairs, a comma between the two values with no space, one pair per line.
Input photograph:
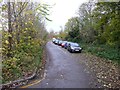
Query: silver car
[74,47]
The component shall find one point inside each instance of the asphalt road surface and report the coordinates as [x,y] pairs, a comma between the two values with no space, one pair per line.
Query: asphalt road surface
[63,70]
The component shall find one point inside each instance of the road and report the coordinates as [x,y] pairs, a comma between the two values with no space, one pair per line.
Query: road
[62,70]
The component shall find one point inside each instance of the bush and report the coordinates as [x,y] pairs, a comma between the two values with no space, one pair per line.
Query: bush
[25,58]
[104,51]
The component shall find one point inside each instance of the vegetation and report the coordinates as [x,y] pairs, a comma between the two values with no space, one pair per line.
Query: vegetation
[23,38]
[104,51]
[97,29]
[24,34]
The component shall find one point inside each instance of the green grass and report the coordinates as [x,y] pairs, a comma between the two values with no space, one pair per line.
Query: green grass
[103,51]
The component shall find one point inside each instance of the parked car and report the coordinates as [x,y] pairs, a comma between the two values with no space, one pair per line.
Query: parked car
[63,43]
[56,41]
[53,40]
[60,42]
[74,47]
[66,45]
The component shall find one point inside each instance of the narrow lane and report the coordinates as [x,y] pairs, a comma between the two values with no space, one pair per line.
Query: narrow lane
[62,70]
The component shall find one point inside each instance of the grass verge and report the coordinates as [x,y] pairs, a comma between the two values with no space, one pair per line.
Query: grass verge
[103,51]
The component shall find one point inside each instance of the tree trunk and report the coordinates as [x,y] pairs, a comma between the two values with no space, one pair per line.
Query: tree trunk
[9,30]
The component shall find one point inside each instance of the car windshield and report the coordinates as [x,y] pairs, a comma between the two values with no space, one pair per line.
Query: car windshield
[74,44]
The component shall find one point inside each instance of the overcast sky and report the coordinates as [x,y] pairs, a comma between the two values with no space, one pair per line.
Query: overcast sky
[61,12]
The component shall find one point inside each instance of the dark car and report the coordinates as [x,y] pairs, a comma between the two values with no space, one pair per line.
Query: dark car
[74,47]
[66,45]
[63,43]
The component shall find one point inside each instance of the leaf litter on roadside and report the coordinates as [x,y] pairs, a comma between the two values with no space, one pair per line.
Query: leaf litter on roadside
[107,72]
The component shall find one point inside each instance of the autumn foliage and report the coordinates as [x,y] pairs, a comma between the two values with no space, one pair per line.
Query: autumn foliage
[23,38]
